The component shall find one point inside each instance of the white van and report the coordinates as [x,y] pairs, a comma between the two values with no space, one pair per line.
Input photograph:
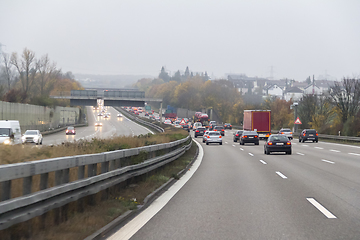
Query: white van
[10,132]
[196,125]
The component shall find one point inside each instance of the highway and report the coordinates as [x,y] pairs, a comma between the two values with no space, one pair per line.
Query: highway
[238,192]
[112,126]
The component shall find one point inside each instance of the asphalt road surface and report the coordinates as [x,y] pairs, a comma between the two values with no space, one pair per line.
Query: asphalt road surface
[238,192]
[112,126]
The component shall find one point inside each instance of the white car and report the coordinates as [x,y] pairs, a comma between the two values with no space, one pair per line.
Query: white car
[119,115]
[205,136]
[32,136]
[167,121]
[98,124]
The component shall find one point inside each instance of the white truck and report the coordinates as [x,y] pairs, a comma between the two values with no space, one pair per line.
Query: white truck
[10,132]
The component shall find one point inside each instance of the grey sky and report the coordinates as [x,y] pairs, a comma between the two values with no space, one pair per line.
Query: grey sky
[298,38]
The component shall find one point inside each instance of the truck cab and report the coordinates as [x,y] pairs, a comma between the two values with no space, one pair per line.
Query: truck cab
[10,132]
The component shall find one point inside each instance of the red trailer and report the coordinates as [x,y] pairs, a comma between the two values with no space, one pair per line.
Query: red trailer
[259,121]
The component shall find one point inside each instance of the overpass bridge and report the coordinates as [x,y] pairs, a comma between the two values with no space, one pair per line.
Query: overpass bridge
[116,98]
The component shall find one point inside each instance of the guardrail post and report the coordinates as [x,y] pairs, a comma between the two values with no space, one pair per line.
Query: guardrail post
[58,177]
[81,172]
[5,190]
[44,179]
[112,165]
[27,182]
[65,178]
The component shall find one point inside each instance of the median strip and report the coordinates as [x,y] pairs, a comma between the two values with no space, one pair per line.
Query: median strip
[324,211]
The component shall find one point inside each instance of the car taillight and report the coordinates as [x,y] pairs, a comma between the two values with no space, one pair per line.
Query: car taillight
[230,125]
[208,136]
[215,130]
[244,136]
[288,143]
[304,134]
[255,136]
[220,136]
[197,131]
[290,132]
[222,130]
[269,143]
[67,131]
[281,133]
[237,135]
[317,134]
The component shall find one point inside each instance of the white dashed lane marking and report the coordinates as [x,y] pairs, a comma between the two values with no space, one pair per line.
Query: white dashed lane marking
[318,147]
[324,211]
[251,154]
[327,161]
[300,154]
[281,175]
[241,149]
[332,150]
[356,154]
[263,162]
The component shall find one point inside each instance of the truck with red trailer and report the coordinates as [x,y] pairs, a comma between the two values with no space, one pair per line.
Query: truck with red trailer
[203,118]
[259,121]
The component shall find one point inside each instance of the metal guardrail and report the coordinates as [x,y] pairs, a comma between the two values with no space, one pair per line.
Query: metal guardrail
[151,125]
[30,205]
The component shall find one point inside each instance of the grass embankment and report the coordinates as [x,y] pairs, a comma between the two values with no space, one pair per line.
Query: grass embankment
[93,217]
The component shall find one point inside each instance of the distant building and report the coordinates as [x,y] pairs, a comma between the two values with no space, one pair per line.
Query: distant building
[293,93]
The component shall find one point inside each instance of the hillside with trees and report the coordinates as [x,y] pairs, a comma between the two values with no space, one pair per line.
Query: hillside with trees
[337,110]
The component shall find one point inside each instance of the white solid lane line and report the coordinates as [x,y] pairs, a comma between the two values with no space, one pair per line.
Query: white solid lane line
[139,221]
[327,161]
[281,175]
[333,150]
[356,154]
[263,162]
[300,154]
[324,211]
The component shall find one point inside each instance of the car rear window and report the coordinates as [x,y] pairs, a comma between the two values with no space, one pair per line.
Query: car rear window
[214,133]
[220,127]
[311,131]
[250,132]
[201,128]
[278,138]
[285,130]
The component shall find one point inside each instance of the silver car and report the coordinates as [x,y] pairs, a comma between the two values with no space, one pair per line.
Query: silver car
[205,136]
[287,132]
[213,137]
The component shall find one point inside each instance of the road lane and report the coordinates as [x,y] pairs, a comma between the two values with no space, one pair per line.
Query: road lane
[112,126]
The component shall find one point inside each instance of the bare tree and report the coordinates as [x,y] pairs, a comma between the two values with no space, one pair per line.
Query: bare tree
[346,96]
[26,67]
[47,72]
[7,71]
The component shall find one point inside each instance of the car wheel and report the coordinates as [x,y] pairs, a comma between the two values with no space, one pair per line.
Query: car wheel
[257,143]
[303,140]
[289,152]
[317,140]
[267,152]
[41,142]
[207,143]
[264,150]
[220,143]
[203,141]
[299,140]
[195,136]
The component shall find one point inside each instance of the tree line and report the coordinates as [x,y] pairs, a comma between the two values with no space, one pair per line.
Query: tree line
[334,111]
[27,79]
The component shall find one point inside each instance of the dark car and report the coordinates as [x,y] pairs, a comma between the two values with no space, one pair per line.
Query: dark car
[70,130]
[277,143]
[199,131]
[308,135]
[228,126]
[237,135]
[249,137]
[219,129]
[185,127]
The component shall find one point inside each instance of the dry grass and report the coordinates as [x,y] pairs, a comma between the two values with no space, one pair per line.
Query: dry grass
[26,153]
[81,225]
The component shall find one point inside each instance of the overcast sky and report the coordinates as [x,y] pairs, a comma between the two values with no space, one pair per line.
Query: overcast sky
[296,38]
